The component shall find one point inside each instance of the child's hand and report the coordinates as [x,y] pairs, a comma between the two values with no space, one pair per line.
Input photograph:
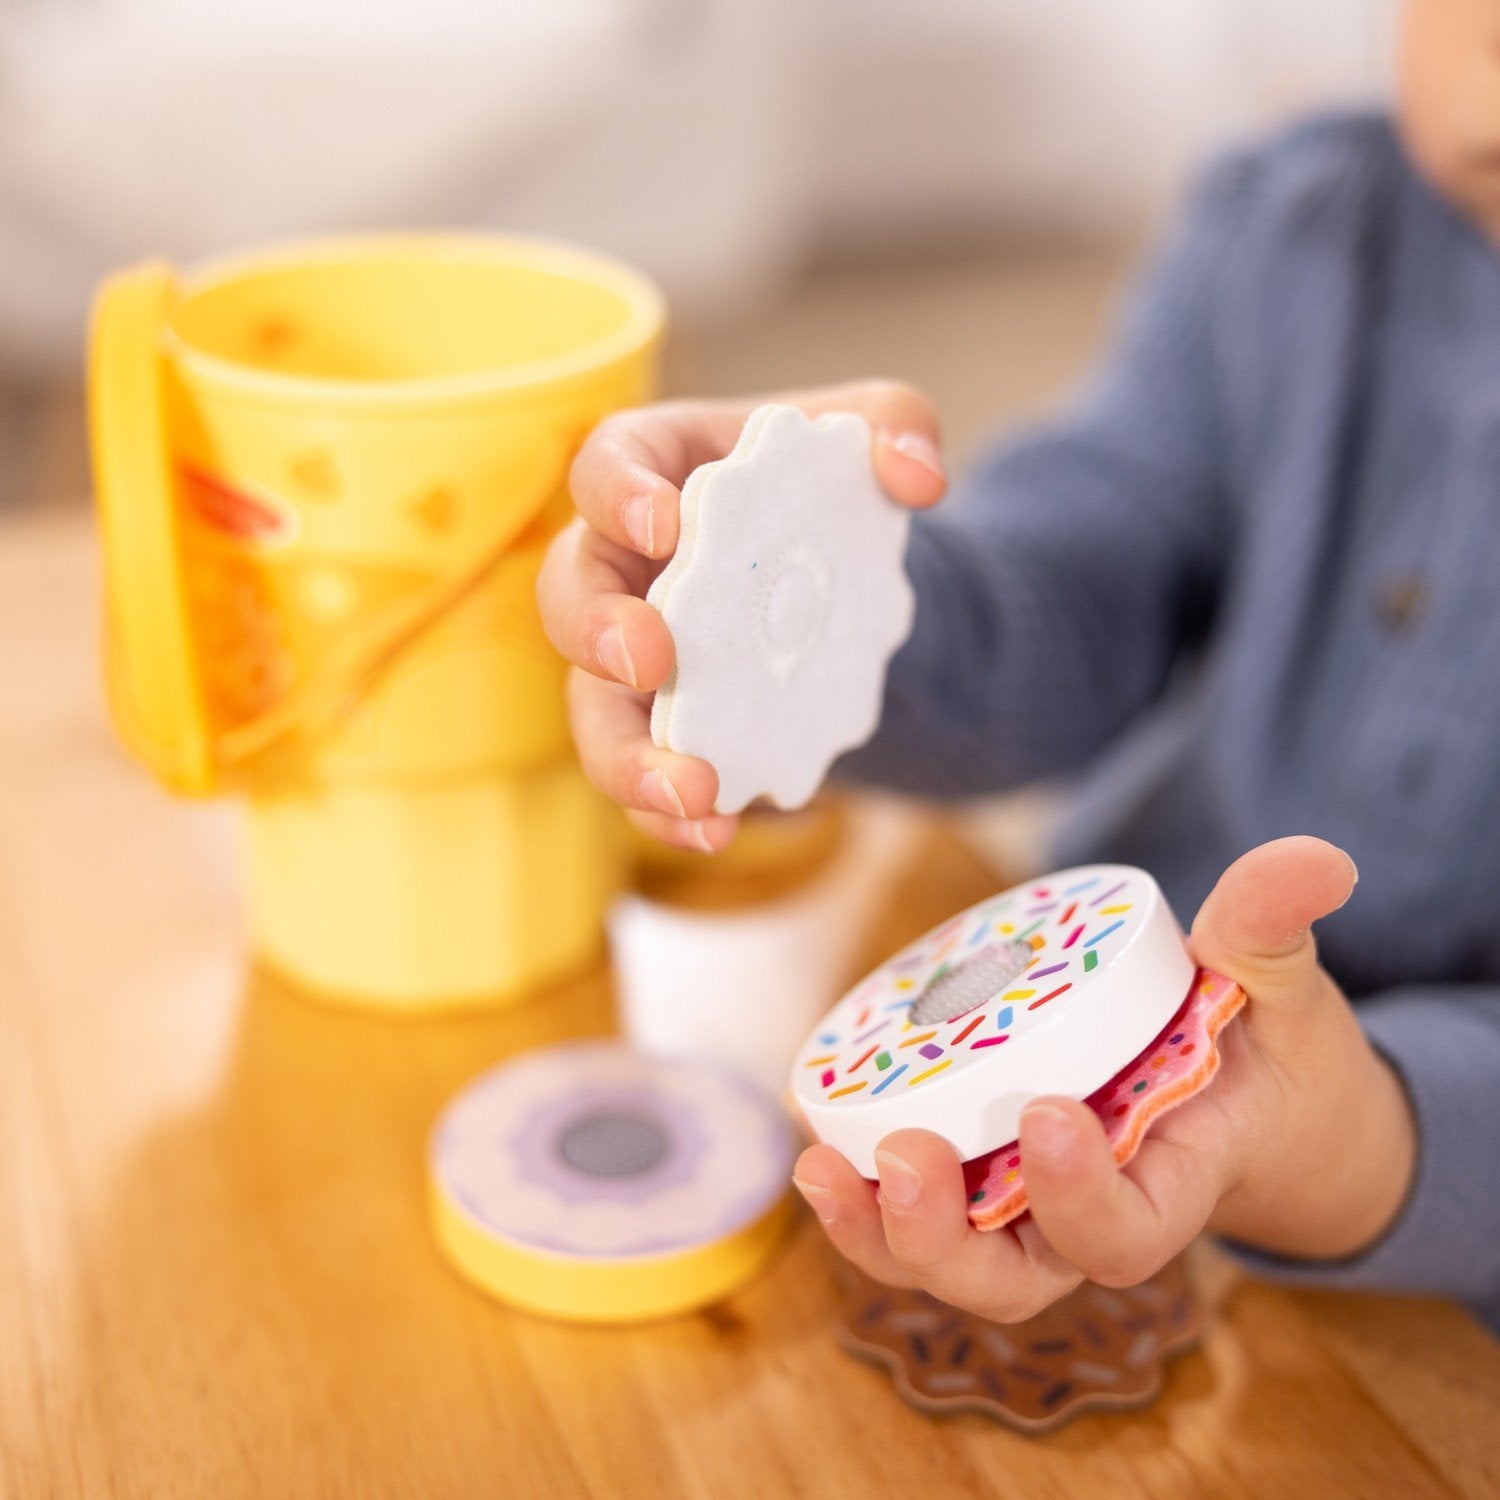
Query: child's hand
[625,483]
[1304,1143]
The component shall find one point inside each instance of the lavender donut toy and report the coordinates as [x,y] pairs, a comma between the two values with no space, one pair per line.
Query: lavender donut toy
[595,1183]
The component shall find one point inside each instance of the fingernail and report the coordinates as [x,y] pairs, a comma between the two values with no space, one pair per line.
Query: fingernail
[701,838]
[820,1199]
[920,450]
[614,655]
[657,789]
[1048,1129]
[899,1181]
[640,523]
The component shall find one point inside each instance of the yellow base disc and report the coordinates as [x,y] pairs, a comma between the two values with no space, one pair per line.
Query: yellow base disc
[584,1291]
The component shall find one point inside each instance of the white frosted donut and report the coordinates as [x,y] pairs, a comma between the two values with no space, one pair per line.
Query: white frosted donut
[1048,988]
[786,598]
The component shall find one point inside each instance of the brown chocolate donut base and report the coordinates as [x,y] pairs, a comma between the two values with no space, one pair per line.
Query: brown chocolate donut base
[1095,1348]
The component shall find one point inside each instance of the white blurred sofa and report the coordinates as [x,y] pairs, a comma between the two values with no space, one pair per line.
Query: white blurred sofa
[716,142]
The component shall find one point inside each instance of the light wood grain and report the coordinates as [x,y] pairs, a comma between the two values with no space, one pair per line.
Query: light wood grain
[216,1277]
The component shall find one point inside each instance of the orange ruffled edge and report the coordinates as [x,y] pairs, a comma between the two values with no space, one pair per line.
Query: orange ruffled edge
[1179,1063]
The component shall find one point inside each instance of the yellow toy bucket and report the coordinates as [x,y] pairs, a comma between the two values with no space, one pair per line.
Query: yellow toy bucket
[326,479]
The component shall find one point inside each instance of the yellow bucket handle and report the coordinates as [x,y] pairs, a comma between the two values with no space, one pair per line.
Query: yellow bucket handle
[155,689]
[338,690]
[154,684]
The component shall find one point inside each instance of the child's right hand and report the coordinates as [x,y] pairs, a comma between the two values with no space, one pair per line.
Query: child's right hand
[1304,1146]
[626,485]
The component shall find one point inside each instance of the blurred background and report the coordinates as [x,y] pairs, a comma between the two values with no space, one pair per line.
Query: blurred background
[952,191]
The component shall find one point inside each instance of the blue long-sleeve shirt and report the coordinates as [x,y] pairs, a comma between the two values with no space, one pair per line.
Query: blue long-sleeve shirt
[1250,586]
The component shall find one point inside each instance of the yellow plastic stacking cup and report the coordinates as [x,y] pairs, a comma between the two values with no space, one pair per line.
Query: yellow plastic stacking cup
[327,477]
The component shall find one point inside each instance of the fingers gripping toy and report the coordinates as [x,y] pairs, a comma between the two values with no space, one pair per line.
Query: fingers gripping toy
[786,599]
[1080,984]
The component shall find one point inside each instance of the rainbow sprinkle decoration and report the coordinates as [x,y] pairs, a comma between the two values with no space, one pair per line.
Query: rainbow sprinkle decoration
[1050,935]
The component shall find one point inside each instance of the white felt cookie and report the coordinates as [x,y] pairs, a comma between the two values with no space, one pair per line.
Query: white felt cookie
[786,599]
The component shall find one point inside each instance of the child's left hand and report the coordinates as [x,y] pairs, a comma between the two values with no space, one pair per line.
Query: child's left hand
[1304,1143]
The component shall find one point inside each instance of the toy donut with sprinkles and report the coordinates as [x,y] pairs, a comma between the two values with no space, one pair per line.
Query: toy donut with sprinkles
[1080,984]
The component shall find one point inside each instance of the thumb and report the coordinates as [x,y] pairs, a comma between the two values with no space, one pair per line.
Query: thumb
[1255,926]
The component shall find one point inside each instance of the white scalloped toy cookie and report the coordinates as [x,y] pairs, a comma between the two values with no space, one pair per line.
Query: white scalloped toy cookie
[786,599]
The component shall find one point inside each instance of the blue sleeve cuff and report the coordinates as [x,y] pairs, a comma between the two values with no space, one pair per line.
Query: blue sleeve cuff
[1445,1046]
[937,736]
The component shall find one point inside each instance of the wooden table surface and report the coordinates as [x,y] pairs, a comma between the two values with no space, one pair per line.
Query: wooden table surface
[216,1277]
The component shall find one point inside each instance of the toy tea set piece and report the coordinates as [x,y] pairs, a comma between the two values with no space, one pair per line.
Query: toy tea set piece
[1095,1348]
[773,854]
[1179,1063]
[326,480]
[593,1183]
[1078,984]
[737,965]
[786,598]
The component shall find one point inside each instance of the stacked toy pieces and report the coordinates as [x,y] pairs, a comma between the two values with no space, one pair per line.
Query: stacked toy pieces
[594,1183]
[1078,984]
[327,478]
[615,1182]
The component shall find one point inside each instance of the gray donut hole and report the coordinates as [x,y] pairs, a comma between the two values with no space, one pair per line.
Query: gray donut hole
[969,983]
[614,1143]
